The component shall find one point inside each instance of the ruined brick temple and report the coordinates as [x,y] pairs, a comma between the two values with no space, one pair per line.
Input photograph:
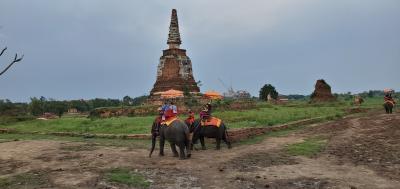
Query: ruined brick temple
[175,68]
[322,92]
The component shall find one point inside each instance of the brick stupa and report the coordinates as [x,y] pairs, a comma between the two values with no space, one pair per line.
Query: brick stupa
[322,92]
[175,68]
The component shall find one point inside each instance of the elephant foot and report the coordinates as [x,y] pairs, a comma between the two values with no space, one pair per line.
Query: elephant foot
[229,146]
[203,148]
[182,158]
[161,154]
[188,155]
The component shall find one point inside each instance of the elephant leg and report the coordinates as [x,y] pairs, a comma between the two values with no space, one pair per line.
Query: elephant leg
[188,148]
[203,145]
[218,140]
[162,142]
[173,149]
[182,151]
[193,142]
[189,143]
[387,108]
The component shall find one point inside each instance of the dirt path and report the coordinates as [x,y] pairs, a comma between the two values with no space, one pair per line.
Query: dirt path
[262,165]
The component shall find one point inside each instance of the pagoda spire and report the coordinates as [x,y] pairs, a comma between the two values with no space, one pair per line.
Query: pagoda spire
[174,38]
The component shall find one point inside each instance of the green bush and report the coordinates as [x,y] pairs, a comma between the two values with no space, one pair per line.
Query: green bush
[4,120]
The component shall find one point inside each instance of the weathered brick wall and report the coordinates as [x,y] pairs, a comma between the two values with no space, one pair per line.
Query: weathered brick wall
[245,133]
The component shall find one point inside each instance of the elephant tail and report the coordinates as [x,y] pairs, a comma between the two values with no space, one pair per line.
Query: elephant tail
[227,135]
[227,139]
[153,144]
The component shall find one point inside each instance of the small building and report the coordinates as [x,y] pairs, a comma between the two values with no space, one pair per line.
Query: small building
[73,111]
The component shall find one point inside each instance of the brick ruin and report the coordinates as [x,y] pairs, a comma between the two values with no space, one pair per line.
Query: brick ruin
[175,68]
[322,92]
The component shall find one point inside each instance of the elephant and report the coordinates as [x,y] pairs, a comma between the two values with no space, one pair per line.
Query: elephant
[176,133]
[209,131]
[388,107]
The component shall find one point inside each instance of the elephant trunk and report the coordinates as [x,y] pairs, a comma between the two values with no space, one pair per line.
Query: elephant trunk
[153,144]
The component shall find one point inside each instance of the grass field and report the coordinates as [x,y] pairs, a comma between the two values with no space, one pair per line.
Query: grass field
[127,177]
[131,143]
[264,115]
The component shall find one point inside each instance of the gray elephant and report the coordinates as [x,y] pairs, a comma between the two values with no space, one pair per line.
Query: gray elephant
[211,129]
[176,132]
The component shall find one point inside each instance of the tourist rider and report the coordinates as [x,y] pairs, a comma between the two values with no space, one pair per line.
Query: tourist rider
[170,111]
[174,108]
[206,111]
[209,108]
[164,109]
[190,120]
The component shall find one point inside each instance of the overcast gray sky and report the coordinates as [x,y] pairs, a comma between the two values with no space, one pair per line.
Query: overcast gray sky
[95,48]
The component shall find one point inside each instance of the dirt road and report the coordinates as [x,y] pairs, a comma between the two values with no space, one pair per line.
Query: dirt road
[361,152]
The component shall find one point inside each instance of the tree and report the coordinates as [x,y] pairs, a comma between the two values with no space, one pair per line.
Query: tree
[186,91]
[57,107]
[80,105]
[139,100]
[16,59]
[36,106]
[127,101]
[268,89]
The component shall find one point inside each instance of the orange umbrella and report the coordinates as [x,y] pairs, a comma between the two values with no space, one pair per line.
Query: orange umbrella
[213,95]
[171,94]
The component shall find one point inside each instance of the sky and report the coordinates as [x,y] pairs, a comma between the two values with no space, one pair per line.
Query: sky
[83,49]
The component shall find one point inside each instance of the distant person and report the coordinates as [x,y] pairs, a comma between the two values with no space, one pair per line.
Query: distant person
[164,109]
[190,120]
[170,111]
[204,114]
[174,108]
[209,108]
[206,111]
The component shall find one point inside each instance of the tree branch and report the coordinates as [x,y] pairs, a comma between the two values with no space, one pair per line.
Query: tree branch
[16,59]
[2,51]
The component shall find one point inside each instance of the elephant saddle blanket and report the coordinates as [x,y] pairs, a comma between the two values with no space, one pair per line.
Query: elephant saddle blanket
[169,121]
[389,100]
[213,121]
